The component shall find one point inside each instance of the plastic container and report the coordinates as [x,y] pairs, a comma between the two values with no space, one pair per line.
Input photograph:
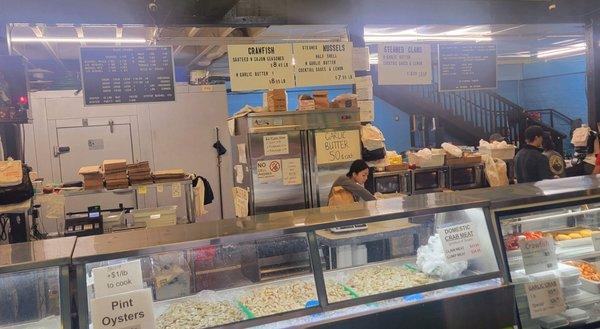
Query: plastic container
[153,217]
[437,159]
[569,276]
[344,256]
[576,316]
[541,276]
[553,321]
[503,153]
[590,286]
[571,291]
[359,255]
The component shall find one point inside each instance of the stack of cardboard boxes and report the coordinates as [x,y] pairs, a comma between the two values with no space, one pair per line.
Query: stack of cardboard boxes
[92,177]
[139,173]
[115,174]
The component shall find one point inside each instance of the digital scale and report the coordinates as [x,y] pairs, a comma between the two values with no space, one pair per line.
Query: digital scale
[349,228]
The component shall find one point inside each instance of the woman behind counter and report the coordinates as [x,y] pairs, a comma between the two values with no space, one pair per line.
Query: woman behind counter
[354,182]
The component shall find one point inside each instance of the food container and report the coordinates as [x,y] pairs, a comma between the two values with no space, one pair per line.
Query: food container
[553,321]
[590,286]
[321,99]
[569,275]
[572,291]
[437,159]
[576,316]
[306,103]
[452,161]
[507,153]
[577,236]
[153,217]
[541,276]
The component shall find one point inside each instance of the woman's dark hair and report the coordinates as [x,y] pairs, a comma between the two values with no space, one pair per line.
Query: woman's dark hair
[356,167]
[532,132]
[547,142]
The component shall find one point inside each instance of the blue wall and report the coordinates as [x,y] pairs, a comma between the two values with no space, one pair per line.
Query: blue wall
[558,84]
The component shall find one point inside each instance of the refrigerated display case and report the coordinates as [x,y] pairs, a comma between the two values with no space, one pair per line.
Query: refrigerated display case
[34,284]
[566,213]
[213,273]
[289,160]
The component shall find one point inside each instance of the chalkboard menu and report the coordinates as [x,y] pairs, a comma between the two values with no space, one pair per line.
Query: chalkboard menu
[116,75]
[467,66]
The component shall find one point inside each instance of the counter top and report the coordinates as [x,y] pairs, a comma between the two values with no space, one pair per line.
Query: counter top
[544,191]
[195,235]
[374,232]
[36,254]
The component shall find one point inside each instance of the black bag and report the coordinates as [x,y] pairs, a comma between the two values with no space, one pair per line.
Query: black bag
[373,155]
[17,193]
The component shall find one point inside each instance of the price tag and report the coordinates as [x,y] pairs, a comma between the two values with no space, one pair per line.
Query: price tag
[596,240]
[127,310]
[142,189]
[159,188]
[116,279]
[538,255]
[544,298]
[176,190]
[460,242]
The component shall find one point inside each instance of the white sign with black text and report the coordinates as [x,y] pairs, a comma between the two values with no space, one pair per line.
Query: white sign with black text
[538,255]
[460,242]
[544,298]
[127,310]
[116,279]
[404,64]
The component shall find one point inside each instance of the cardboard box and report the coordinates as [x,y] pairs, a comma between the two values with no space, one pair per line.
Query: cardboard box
[276,100]
[321,99]
[344,103]
[306,103]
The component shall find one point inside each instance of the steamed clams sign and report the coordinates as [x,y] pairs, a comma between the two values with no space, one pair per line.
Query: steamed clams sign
[260,66]
[337,146]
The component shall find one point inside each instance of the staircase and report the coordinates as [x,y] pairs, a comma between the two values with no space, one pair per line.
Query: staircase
[464,116]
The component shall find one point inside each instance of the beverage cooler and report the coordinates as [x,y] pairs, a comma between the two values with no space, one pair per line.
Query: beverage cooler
[289,160]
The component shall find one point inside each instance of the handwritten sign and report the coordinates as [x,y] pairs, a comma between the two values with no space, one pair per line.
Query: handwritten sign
[176,190]
[291,171]
[337,146]
[116,279]
[127,310]
[276,144]
[544,298]
[142,189]
[404,64]
[467,66]
[260,66]
[538,255]
[268,171]
[319,64]
[240,201]
[460,242]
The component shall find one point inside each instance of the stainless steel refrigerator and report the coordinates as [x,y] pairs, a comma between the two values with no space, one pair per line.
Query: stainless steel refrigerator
[289,160]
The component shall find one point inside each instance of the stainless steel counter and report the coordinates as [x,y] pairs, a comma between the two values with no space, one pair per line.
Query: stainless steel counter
[172,238]
[540,192]
[36,254]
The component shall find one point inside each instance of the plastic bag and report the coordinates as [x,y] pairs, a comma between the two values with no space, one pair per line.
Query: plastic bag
[453,150]
[495,171]
[371,137]
[431,260]
[580,136]
[424,154]
[340,196]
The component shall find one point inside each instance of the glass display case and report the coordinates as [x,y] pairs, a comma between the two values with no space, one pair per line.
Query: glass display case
[34,284]
[549,232]
[305,266]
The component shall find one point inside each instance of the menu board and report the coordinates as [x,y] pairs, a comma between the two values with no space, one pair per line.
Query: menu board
[115,75]
[404,64]
[467,66]
[324,63]
[261,66]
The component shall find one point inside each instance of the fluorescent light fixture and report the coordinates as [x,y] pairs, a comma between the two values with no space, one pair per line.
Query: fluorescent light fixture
[395,38]
[77,40]
[566,51]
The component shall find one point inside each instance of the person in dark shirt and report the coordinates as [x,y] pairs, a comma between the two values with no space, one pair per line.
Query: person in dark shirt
[530,164]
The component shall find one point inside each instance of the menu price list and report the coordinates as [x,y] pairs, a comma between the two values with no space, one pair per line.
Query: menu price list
[464,67]
[114,75]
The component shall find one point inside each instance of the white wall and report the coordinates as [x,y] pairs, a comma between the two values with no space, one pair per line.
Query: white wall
[176,134]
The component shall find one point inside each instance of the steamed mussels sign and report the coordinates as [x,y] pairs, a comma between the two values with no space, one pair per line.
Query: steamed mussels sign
[319,64]
[265,66]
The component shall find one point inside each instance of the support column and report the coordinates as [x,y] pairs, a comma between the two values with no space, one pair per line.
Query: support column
[592,33]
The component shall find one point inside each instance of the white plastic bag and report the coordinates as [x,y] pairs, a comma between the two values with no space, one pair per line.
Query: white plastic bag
[495,171]
[580,136]
[453,150]
[371,137]
[431,260]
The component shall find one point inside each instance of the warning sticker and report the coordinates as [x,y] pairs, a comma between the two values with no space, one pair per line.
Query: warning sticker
[269,171]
